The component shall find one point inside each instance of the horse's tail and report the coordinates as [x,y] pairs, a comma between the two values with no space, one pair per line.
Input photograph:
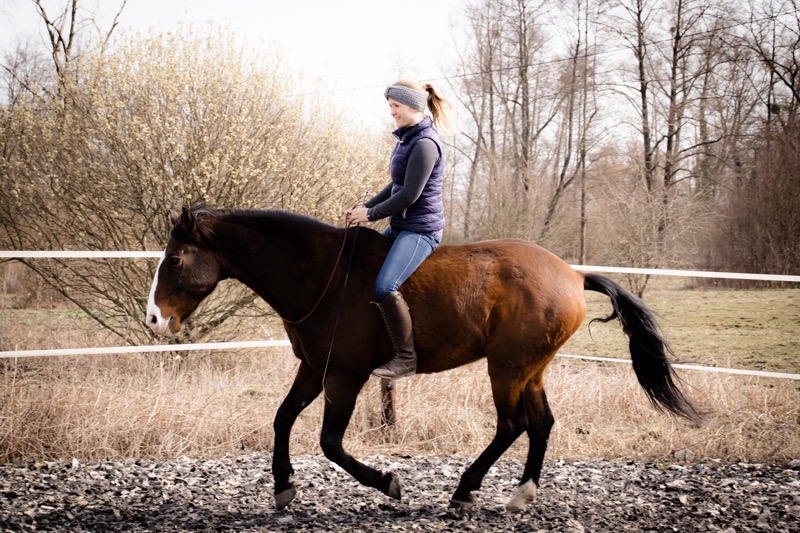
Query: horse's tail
[648,348]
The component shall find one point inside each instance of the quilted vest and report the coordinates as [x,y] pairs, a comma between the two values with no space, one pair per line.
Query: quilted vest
[426,215]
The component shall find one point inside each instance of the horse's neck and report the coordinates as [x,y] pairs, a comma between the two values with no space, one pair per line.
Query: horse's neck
[281,260]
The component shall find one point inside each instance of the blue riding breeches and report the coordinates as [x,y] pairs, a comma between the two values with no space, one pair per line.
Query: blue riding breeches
[408,251]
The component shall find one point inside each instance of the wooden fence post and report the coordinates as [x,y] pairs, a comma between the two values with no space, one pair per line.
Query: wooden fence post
[388,414]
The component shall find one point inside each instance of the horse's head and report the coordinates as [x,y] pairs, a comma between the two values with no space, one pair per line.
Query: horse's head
[188,272]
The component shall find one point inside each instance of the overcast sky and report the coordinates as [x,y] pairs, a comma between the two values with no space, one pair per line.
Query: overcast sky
[351,47]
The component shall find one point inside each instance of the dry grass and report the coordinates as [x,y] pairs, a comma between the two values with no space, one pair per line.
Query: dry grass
[211,404]
[216,404]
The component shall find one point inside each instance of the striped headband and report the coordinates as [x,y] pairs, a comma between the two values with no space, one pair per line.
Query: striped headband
[410,97]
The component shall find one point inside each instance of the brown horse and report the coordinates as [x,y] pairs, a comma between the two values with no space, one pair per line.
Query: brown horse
[507,300]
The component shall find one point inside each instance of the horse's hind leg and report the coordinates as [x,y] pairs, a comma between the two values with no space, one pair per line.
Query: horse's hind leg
[340,399]
[306,387]
[511,422]
[540,422]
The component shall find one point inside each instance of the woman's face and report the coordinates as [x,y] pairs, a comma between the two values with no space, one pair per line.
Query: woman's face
[403,115]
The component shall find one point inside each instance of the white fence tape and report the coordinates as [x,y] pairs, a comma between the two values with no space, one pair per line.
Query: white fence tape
[86,254]
[76,254]
[757,373]
[144,349]
[686,273]
[271,344]
[83,254]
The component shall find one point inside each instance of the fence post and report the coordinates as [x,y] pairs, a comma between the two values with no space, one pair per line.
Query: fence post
[388,414]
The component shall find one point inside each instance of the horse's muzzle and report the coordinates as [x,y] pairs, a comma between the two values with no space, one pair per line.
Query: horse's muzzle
[163,326]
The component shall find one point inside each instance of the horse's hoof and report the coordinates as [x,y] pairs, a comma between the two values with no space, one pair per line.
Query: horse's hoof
[393,489]
[462,503]
[526,493]
[282,499]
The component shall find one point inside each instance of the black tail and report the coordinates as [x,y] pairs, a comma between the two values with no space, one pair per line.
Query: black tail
[648,348]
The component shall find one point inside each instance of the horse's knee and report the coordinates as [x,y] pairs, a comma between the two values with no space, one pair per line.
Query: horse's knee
[539,431]
[539,416]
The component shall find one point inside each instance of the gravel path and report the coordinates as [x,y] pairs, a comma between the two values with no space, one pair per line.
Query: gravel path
[235,494]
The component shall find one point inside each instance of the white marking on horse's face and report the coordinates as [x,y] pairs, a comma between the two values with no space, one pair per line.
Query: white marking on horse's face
[155,320]
[525,493]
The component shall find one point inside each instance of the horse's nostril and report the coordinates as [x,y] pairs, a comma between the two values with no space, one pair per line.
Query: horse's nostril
[153,319]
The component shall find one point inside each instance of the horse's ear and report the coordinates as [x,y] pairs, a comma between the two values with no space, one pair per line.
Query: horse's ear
[173,217]
[189,223]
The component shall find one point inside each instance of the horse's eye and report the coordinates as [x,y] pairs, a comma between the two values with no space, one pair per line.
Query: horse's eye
[174,261]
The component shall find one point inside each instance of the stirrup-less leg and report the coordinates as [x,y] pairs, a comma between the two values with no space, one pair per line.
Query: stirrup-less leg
[397,318]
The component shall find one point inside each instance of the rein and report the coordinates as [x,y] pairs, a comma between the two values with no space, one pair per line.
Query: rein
[328,285]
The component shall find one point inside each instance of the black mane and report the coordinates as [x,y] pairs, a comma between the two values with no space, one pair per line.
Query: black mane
[259,217]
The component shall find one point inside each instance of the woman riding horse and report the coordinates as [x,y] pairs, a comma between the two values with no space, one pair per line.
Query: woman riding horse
[509,301]
[413,200]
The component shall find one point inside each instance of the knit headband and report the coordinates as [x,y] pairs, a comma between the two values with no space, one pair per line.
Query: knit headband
[404,95]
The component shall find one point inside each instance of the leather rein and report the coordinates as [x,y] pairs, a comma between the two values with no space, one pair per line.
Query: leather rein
[330,279]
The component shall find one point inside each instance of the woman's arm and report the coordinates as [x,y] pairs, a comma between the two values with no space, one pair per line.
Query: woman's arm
[420,165]
[380,197]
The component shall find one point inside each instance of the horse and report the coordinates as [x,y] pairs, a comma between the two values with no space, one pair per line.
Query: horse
[510,301]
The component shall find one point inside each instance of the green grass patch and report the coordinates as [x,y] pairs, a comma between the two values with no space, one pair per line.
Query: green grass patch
[755,329]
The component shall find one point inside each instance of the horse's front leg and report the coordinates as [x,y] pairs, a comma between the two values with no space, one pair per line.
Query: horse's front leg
[340,400]
[307,386]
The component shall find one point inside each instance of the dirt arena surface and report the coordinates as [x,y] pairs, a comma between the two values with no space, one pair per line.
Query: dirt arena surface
[235,494]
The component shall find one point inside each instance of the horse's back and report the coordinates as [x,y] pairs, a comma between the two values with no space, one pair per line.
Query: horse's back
[481,272]
[467,296]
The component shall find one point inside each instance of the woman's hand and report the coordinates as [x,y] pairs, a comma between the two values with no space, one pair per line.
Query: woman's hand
[356,215]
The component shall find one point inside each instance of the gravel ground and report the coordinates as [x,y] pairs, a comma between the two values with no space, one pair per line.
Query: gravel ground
[235,494]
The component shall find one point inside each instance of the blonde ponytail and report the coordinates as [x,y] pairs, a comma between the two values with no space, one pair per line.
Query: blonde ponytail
[438,107]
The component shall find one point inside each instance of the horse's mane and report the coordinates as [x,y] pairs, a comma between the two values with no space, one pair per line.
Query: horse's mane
[257,217]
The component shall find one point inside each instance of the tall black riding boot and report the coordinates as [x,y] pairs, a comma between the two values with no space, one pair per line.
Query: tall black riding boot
[397,317]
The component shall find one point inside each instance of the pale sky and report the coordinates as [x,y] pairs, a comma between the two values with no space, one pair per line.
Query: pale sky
[352,47]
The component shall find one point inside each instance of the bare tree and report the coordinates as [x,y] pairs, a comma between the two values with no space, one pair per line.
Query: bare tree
[669,72]
[64,30]
[578,113]
[773,34]
[697,81]
[510,100]
[759,205]
[477,96]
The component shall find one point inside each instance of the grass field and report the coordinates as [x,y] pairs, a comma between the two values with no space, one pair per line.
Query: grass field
[211,404]
[757,329]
